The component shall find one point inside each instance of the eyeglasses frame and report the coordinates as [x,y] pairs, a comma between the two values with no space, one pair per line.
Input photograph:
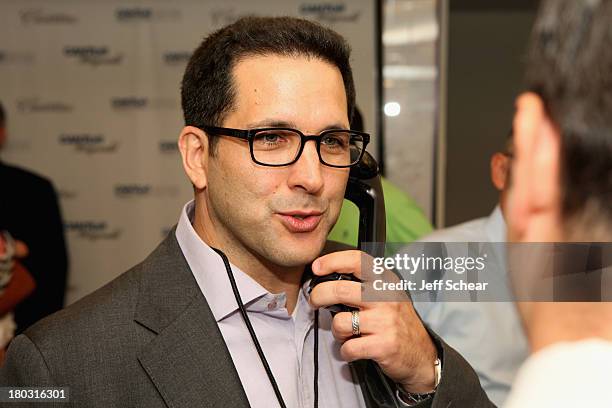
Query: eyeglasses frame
[249,135]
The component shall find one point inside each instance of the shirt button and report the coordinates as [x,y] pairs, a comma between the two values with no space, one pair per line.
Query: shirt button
[272,305]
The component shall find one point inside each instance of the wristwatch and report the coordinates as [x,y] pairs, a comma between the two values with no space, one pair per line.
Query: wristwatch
[411,398]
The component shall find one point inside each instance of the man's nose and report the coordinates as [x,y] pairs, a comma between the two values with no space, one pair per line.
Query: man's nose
[307,172]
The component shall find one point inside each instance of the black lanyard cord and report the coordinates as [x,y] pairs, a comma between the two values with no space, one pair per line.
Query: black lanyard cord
[245,317]
[262,357]
[316,358]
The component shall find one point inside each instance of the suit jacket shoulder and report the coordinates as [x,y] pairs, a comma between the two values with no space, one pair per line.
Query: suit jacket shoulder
[147,338]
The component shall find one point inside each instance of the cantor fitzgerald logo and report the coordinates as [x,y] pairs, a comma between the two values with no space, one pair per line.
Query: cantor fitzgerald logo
[145,14]
[131,103]
[45,17]
[94,55]
[36,105]
[89,143]
[176,58]
[137,190]
[329,12]
[168,146]
[93,230]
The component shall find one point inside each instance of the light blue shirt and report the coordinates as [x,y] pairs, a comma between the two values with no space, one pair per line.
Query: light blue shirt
[287,340]
[488,335]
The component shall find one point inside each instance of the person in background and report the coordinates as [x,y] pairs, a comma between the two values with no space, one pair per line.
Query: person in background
[488,334]
[562,192]
[29,211]
[405,220]
[16,284]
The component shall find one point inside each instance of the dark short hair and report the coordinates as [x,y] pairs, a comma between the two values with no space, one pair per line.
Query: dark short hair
[207,91]
[569,65]
[357,120]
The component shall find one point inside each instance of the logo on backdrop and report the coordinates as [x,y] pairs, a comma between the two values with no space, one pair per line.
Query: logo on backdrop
[137,190]
[16,57]
[89,143]
[329,12]
[131,103]
[45,17]
[93,55]
[168,146]
[93,230]
[145,14]
[36,105]
[176,58]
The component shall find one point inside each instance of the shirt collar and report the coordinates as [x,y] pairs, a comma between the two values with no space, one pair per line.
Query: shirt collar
[495,226]
[210,273]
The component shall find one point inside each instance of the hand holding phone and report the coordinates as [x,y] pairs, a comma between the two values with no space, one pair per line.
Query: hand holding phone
[316,280]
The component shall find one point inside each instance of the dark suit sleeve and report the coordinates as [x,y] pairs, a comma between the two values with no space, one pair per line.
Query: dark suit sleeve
[24,365]
[47,262]
[459,386]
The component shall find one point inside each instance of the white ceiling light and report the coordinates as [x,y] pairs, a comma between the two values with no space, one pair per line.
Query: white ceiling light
[392,109]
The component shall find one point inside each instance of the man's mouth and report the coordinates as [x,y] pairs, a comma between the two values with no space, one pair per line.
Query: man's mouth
[300,221]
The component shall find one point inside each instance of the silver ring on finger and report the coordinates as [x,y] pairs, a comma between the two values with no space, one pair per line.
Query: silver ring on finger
[355,323]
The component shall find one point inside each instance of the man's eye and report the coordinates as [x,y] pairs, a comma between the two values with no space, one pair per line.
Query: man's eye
[332,141]
[268,138]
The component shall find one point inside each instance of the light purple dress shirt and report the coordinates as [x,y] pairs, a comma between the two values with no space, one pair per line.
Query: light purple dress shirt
[287,340]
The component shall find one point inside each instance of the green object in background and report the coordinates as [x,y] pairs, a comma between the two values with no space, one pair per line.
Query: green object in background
[405,220]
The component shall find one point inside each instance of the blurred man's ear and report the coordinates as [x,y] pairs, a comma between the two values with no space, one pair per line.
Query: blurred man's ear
[499,170]
[193,145]
[535,198]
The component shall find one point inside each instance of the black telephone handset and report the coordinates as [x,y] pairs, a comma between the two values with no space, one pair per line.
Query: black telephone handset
[364,189]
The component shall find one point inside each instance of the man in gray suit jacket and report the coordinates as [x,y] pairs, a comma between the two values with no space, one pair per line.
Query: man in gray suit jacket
[220,313]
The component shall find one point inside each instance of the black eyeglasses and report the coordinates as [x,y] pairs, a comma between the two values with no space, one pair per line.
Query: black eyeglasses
[283,146]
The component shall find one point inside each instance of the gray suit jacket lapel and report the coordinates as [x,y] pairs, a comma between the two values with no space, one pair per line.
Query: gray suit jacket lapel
[187,360]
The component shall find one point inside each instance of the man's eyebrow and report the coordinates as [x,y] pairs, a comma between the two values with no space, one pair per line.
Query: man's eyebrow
[271,123]
[284,124]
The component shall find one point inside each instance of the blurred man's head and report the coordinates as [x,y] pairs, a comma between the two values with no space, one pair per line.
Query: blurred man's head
[260,73]
[562,177]
[562,171]
[2,126]
[501,163]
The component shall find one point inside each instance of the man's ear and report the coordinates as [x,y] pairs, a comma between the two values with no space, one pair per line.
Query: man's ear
[535,199]
[193,145]
[499,170]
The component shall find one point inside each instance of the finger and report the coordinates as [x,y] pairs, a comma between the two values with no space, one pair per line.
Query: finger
[342,324]
[340,262]
[362,348]
[336,292]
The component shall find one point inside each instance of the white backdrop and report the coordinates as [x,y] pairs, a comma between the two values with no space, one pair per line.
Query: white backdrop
[91,89]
